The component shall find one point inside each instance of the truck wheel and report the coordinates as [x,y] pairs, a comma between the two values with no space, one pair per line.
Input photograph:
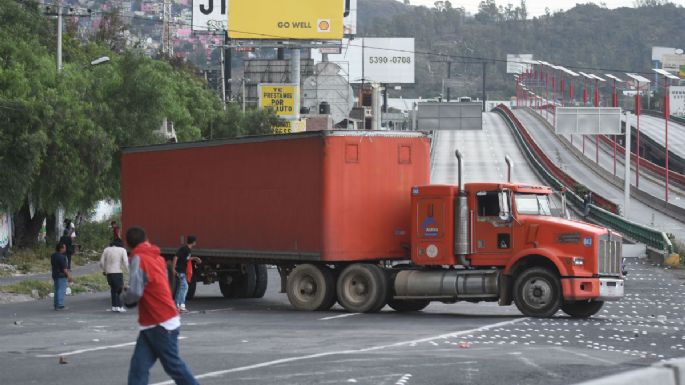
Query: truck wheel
[311,287]
[408,304]
[244,284]
[581,309]
[262,281]
[226,287]
[537,292]
[362,288]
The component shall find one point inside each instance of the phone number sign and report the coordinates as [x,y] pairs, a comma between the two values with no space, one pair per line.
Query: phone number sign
[283,99]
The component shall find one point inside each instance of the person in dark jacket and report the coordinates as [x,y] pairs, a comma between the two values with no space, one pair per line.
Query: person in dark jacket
[60,275]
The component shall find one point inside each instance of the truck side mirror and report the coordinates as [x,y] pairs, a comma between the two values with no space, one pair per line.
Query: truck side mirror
[504,206]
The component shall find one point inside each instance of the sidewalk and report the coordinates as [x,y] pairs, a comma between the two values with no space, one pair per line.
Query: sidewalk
[92,267]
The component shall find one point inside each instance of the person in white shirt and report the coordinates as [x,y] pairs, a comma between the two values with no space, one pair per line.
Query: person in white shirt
[114,262]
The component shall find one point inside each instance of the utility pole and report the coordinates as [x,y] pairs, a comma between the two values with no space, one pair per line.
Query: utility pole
[484,63]
[227,67]
[223,79]
[167,46]
[59,37]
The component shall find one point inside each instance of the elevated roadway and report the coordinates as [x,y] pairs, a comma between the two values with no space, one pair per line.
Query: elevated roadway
[555,149]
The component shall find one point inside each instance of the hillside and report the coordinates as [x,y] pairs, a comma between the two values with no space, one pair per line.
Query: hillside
[585,36]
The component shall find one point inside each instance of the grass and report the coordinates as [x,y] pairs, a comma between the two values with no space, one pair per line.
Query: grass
[90,283]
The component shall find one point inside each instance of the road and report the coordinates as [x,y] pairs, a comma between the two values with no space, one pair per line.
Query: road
[483,152]
[265,341]
[555,150]
[655,128]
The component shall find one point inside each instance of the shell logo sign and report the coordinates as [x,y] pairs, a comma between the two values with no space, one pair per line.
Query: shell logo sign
[286,19]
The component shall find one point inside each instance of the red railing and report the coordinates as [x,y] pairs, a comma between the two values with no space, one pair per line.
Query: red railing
[549,165]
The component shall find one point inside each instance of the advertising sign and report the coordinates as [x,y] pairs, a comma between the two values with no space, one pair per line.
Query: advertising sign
[674,64]
[350,21]
[450,116]
[378,60]
[286,19]
[283,99]
[588,120]
[677,100]
[518,64]
[289,126]
[210,15]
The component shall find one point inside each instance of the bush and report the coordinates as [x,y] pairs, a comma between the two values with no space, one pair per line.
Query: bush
[93,237]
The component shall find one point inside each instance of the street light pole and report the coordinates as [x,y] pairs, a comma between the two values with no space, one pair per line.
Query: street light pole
[59,37]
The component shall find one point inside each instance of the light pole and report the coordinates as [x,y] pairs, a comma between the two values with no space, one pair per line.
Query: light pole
[638,79]
[614,103]
[667,113]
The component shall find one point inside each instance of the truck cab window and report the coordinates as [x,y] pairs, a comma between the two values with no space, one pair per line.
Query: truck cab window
[488,203]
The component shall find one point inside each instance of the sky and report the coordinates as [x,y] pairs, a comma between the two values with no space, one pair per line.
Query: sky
[536,7]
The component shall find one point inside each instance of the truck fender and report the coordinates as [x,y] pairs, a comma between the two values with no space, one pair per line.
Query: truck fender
[549,254]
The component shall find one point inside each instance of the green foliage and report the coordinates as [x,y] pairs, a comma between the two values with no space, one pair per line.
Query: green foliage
[93,237]
[84,284]
[31,260]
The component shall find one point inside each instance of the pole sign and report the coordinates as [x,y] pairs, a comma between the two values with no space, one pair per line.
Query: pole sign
[286,19]
[210,15]
[283,99]
[677,100]
[518,64]
[588,120]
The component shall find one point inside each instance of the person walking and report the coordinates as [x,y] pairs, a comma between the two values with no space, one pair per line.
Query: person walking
[114,262]
[116,231]
[158,317]
[183,258]
[60,275]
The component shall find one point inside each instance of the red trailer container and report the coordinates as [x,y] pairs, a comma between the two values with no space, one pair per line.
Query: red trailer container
[324,196]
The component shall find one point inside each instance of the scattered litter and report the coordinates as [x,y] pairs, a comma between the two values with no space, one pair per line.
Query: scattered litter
[464,345]
[63,361]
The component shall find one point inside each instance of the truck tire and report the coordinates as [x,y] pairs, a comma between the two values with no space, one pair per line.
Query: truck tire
[362,288]
[226,287]
[537,292]
[311,287]
[581,309]
[262,281]
[244,284]
[404,305]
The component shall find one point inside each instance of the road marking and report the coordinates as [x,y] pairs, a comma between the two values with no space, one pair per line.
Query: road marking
[220,373]
[538,367]
[403,380]
[81,351]
[210,310]
[338,316]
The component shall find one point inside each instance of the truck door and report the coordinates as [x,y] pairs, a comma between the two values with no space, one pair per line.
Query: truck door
[493,225]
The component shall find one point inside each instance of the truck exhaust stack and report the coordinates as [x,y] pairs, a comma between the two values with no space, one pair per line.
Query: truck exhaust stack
[510,167]
[461,217]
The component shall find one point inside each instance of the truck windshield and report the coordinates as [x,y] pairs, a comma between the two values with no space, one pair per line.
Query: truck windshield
[533,204]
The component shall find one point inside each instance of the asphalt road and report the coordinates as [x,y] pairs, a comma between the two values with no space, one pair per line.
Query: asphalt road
[265,341]
[655,128]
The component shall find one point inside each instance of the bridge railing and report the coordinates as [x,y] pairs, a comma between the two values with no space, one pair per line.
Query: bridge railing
[558,179]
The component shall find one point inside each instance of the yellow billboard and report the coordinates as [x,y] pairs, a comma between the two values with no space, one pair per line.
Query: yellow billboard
[286,19]
[289,126]
[283,99]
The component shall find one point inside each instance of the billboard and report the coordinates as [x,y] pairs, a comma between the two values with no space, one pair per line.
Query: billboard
[519,63]
[677,100]
[450,116]
[350,21]
[286,19]
[289,126]
[283,99]
[377,59]
[588,120]
[210,15]
[674,64]
[5,232]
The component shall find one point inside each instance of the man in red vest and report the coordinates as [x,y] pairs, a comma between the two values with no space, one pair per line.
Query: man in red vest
[158,317]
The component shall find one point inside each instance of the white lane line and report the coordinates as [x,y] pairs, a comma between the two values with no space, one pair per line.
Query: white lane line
[220,373]
[338,316]
[81,351]
[404,379]
[538,367]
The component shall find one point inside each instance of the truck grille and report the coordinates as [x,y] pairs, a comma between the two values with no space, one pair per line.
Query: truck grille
[610,254]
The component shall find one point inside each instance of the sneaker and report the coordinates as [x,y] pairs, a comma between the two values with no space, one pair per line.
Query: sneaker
[183,310]
[121,310]
[59,308]
[115,309]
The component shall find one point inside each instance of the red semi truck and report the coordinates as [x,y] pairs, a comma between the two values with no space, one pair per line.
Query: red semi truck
[351,216]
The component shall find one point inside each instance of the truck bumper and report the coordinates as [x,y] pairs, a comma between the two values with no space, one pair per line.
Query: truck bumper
[600,289]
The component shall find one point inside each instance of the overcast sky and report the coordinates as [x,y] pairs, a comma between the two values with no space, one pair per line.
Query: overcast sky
[536,7]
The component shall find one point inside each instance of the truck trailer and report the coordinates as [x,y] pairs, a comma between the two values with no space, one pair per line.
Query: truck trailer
[351,217]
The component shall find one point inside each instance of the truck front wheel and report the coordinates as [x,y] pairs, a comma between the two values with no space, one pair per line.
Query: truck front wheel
[537,292]
[311,287]
[581,309]
[362,288]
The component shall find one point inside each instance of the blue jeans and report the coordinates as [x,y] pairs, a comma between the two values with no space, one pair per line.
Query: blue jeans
[158,343]
[60,292]
[182,290]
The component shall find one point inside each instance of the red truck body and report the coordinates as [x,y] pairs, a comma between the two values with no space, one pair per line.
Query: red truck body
[325,196]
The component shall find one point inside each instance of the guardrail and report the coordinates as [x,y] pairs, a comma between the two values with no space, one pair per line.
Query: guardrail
[654,239]
[660,114]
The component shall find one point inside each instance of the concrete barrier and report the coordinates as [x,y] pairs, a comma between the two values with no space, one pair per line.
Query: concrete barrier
[677,365]
[649,376]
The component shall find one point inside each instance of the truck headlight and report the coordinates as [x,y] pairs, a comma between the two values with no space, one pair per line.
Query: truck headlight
[578,261]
